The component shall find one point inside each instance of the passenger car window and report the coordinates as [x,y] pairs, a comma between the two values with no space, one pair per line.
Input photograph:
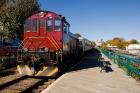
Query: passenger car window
[41,23]
[49,24]
[35,25]
[57,24]
[27,25]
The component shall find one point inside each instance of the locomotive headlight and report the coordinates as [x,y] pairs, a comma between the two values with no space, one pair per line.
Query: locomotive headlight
[46,49]
[41,14]
[25,49]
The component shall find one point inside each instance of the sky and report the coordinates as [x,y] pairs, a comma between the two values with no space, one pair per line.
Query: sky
[99,19]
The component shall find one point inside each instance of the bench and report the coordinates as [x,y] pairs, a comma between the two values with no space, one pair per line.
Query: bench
[104,66]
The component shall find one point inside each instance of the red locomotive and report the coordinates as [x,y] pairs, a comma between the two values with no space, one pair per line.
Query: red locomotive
[48,45]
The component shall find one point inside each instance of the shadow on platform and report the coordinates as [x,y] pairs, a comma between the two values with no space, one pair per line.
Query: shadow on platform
[106,66]
[92,61]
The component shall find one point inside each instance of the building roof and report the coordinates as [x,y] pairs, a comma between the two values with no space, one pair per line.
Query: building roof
[133,46]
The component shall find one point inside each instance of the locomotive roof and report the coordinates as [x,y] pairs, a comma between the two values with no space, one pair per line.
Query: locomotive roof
[37,12]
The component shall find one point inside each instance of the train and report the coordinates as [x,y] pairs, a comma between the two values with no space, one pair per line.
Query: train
[8,51]
[48,45]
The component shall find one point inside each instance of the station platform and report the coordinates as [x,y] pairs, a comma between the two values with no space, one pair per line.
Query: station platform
[86,77]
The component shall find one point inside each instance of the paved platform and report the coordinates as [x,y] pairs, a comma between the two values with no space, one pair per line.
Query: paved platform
[86,77]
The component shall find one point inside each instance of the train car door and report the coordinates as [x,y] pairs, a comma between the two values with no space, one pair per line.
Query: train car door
[49,25]
[41,27]
[35,27]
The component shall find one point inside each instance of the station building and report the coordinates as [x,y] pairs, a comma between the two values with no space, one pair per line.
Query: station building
[133,48]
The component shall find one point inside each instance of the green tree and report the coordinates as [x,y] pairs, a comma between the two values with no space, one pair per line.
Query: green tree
[2,2]
[12,17]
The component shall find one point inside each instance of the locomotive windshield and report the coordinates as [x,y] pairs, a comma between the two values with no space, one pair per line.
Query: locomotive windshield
[49,24]
[35,25]
[27,25]
[41,23]
[57,24]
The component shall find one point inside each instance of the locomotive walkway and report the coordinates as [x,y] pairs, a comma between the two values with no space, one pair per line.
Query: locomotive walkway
[86,77]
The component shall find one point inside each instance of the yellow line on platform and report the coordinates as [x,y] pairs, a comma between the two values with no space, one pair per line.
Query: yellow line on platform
[44,68]
[19,69]
[53,71]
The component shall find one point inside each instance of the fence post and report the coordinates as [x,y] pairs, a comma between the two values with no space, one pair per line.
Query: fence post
[114,57]
[108,54]
[127,67]
[119,61]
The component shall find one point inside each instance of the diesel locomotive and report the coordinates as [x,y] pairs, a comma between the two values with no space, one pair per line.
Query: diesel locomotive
[48,45]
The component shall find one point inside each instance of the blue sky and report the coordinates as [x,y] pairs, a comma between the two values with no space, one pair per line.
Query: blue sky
[99,19]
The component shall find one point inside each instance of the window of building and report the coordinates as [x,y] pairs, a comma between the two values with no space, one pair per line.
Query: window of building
[35,25]
[27,25]
[57,24]
[49,24]
[41,23]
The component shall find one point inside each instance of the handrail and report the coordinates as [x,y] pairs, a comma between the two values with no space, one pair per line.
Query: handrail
[59,48]
[131,64]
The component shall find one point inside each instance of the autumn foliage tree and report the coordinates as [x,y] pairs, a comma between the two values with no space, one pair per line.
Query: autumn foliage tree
[12,16]
[121,43]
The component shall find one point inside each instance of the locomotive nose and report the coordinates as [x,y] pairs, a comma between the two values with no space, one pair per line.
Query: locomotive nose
[45,71]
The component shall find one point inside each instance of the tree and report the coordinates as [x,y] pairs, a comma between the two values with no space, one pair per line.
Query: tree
[103,47]
[121,43]
[2,2]
[127,43]
[12,17]
[117,41]
[93,43]
[133,41]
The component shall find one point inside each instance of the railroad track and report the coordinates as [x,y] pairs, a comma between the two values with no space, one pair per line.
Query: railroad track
[26,84]
[8,75]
